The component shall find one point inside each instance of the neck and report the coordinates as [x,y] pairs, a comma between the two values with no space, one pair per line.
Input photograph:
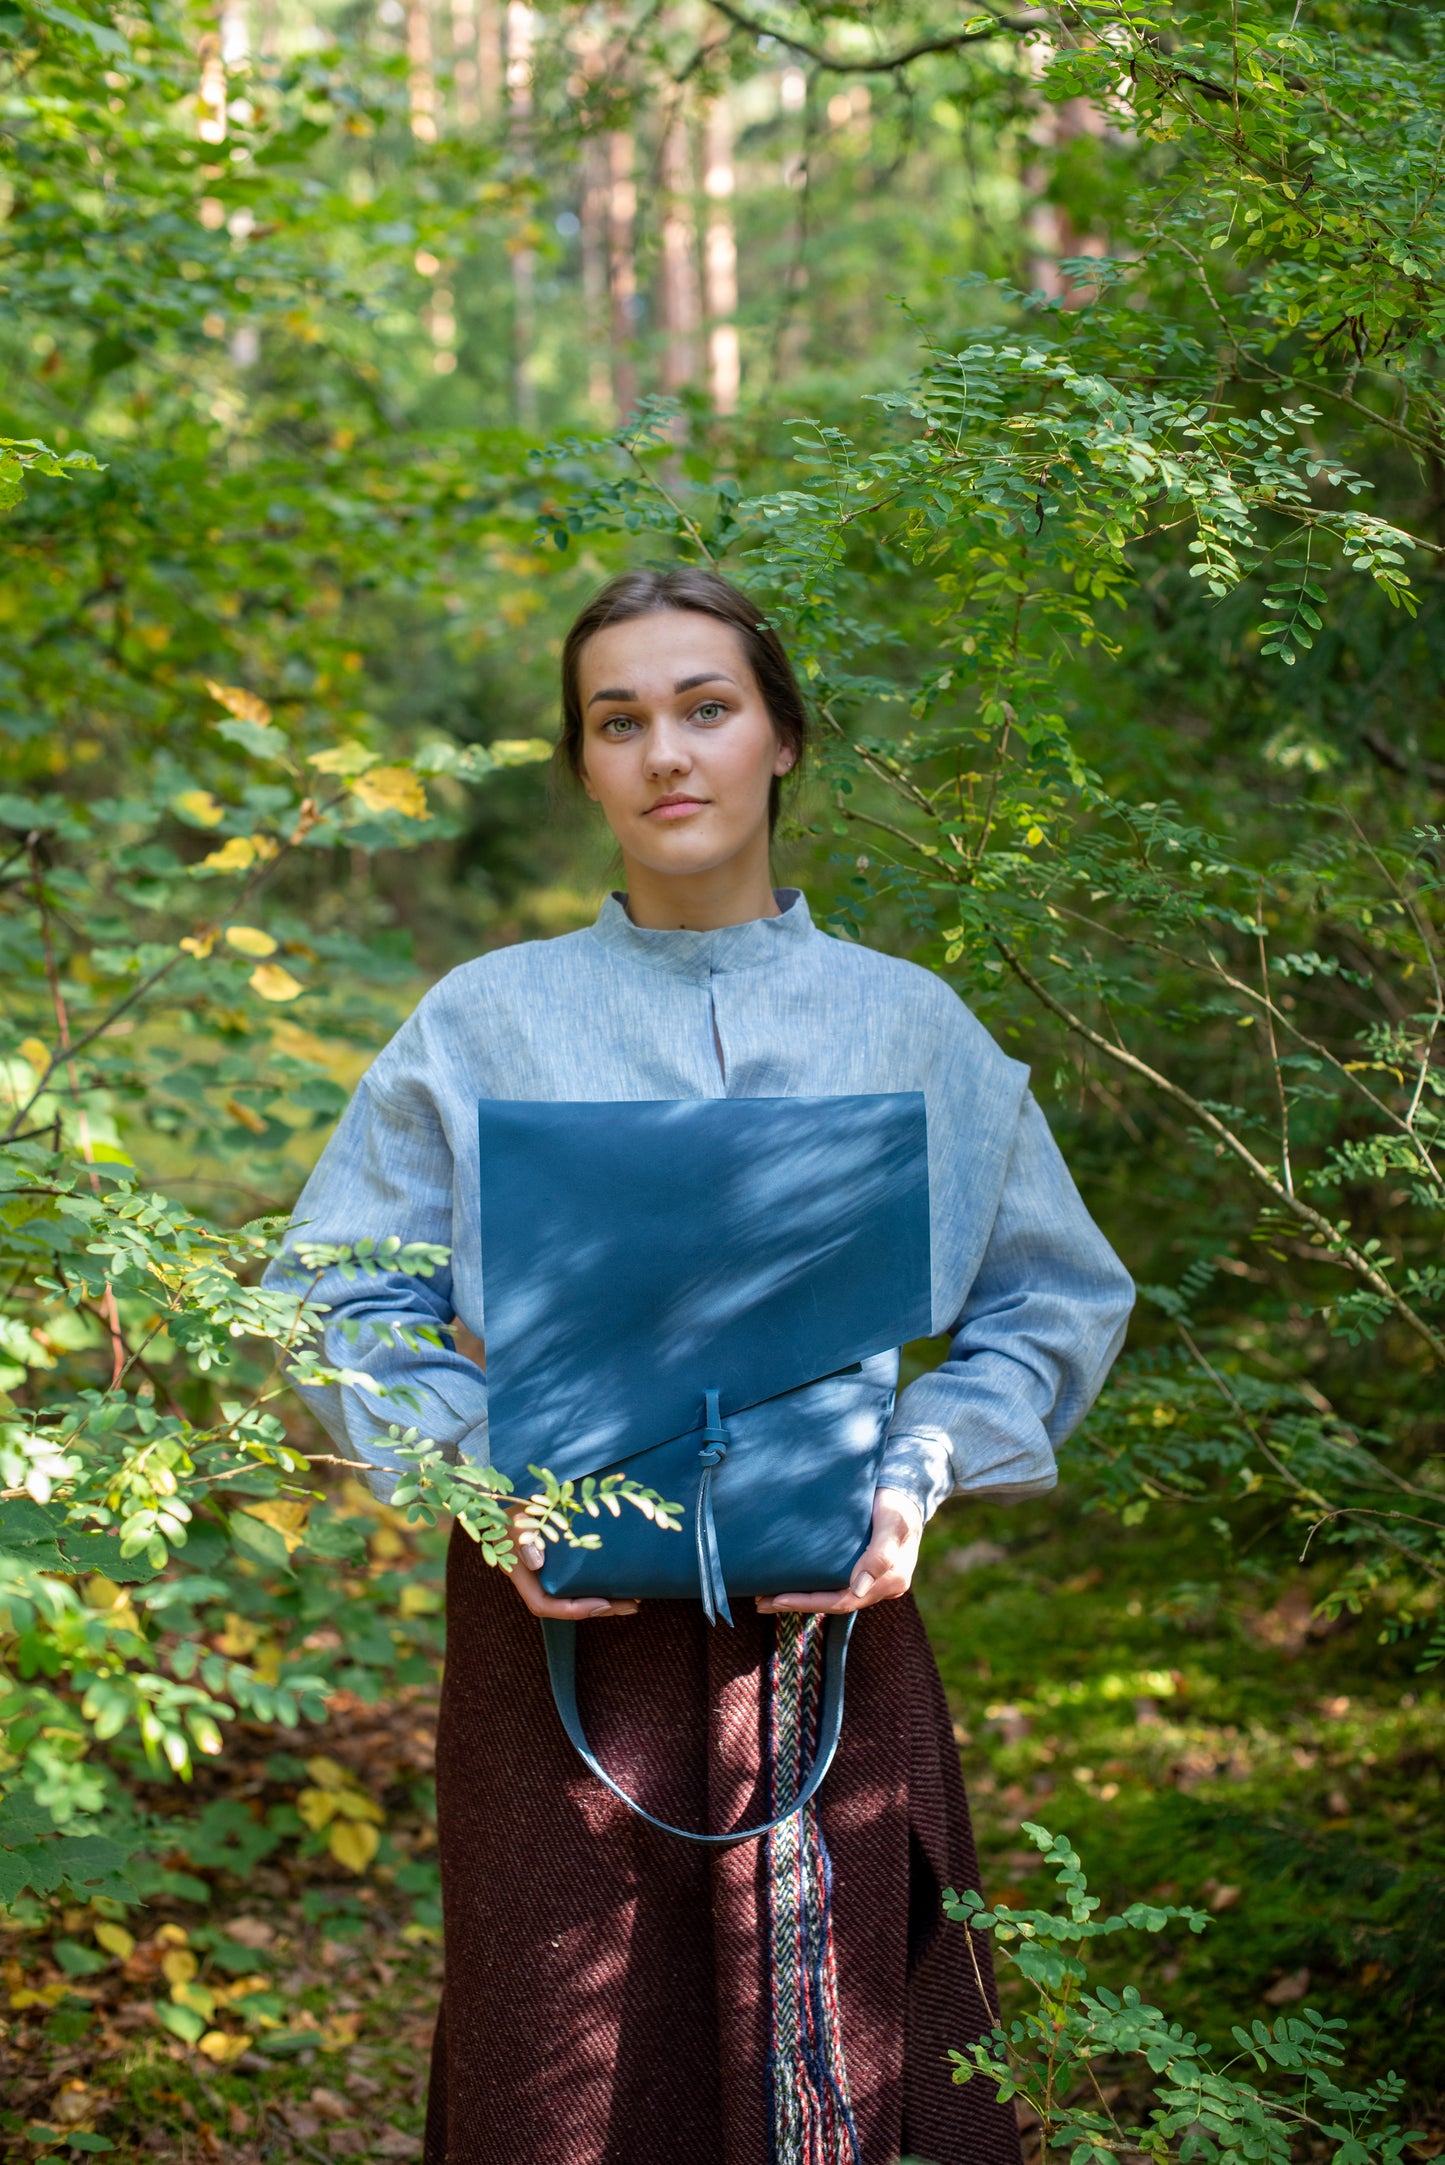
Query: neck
[728,894]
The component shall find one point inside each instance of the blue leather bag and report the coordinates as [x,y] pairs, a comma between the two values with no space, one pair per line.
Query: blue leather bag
[707,1294]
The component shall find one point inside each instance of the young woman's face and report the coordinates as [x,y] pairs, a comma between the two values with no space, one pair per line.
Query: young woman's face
[677,746]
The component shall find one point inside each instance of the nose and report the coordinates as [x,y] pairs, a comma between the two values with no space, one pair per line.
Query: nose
[667,752]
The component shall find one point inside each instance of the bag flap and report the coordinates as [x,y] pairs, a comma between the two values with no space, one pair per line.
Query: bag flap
[636,1254]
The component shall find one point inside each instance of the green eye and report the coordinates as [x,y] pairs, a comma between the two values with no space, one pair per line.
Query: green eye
[710,710]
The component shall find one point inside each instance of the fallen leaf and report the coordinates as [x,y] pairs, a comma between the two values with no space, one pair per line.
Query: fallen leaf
[115,1939]
[179,1966]
[353,1842]
[223,2046]
[391,2142]
[289,1519]
[329,1773]
[250,1931]
[317,1808]
[1286,1990]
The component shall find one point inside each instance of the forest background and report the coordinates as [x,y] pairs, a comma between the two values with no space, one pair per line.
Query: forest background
[1067,382]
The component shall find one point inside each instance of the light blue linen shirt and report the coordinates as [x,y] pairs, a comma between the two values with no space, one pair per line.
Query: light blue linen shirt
[1030,1294]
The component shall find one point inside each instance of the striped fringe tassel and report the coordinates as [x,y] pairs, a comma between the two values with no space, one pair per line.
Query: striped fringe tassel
[812,2118]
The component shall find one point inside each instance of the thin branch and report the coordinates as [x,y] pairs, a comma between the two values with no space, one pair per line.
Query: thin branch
[949,41]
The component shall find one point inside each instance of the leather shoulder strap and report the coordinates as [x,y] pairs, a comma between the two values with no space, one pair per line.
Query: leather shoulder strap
[560,1639]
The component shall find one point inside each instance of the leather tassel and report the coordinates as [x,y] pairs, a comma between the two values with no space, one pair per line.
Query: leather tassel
[714,1450]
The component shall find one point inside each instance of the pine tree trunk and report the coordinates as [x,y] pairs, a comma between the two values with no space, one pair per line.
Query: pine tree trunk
[681,309]
[622,268]
[595,297]
[421,76]
[720,258]
[465,100]
[524,259]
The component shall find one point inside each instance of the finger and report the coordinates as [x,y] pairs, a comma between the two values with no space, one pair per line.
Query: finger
[575,1611]
[888,1585]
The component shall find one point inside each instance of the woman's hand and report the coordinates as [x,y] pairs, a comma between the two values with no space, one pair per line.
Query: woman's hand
[884,1570]
[531,1555]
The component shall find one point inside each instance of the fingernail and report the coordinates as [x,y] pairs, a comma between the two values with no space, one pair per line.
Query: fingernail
[597,1608]
[861,1584]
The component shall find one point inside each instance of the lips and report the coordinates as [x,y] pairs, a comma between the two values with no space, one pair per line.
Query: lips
[673,807]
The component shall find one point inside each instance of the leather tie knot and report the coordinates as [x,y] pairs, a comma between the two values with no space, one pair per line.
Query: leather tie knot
[714,1450]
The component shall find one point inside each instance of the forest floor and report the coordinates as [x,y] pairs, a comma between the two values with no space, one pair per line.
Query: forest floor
[1194,1749]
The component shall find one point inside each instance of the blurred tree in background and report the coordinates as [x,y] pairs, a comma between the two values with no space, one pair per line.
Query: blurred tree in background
[1068,382]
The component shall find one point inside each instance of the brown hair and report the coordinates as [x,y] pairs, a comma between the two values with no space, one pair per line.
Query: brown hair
[687,586]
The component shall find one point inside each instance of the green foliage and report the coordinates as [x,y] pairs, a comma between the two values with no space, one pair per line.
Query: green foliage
[1192,2105]
[1119,600]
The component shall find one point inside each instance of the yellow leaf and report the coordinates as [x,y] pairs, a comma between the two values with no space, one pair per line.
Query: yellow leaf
[419,1600]
[196,1997]
[289,1519]
[250,940]
[353,1843]
[246,1116]
[348,758]
[39,1996]
[356,1804]
[519,751]
[392,789]
[243,704]
[271,982]
[173,1935]
[237,855]
[421,1935]
[338,2031]
[200,806]
[1034,836]
[179,1966]
[329,1773]
[317,1808]
[223,2046]
[266,1662]
[37,1054]
[115,1939]
[239,1637]
[200,944]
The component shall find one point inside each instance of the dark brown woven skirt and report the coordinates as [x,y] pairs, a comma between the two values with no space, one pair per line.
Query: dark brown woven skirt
[606,1985]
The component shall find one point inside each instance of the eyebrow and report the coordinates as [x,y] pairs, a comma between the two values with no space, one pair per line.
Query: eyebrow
[683,684]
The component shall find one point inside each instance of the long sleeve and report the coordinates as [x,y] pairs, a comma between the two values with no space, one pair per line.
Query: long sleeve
[1039,1328]
[388,1169]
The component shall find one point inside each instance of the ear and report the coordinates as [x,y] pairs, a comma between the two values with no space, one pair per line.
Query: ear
[785,762]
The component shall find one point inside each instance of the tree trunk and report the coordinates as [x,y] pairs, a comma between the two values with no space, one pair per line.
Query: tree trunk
[720,258]
[622,269]
[421,76]
[489,59]
[595,296]
[524,258]
[681,309]
[465,100]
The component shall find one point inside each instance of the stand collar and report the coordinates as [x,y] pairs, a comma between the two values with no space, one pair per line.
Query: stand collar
[703,954]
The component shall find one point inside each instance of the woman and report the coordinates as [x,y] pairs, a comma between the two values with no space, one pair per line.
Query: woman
[614,1996]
